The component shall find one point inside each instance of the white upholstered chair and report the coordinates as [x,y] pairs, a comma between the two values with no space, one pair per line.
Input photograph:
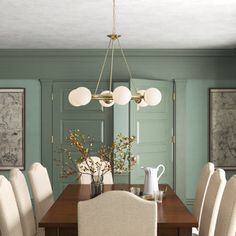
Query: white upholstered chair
[41,188]
[10,224]
[86,178]
[202,185]
[117,213]
[211,204]
[24,204]
[226,220]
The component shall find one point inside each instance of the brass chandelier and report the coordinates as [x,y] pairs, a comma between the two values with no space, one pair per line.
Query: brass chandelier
[121,95]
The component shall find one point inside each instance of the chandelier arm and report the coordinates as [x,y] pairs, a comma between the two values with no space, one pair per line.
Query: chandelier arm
[103,65]
[102,97]
[137,96]
[123,55]
[126,63]
[112,59]
[135,89]
[109,97]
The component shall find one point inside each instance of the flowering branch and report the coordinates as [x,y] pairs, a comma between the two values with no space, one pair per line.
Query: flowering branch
[117,157]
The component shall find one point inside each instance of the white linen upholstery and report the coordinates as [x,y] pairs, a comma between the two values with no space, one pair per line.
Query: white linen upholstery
[86,178]
[9,215]
[211,204]
[23,200]
[226,220]
[202,185]
[117,213]
[41,188]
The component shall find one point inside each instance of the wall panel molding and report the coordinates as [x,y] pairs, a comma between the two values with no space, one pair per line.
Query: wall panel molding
[46,126]
[128,52]
[85,64]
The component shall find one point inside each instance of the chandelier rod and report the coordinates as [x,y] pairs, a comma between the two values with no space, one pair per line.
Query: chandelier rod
[103,65]
[112,60]
[114,17]
[127,65]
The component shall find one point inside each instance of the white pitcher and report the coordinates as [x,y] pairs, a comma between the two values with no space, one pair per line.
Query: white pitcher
[152,178]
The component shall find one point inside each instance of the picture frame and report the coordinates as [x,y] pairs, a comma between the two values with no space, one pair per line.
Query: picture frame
[12,128]
[222,127]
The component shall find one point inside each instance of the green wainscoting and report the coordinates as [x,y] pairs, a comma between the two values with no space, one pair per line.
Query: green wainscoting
[194,71]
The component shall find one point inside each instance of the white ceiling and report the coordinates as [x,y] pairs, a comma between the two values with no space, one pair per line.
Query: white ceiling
[142,23]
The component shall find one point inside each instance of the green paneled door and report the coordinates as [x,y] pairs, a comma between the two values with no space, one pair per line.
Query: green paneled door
[153,127]
[91,119]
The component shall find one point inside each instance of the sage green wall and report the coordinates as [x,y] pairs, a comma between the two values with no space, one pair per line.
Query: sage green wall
[193,70]
[197,133]
[32,118]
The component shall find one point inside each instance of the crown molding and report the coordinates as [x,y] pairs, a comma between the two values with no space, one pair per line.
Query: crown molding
[128,52]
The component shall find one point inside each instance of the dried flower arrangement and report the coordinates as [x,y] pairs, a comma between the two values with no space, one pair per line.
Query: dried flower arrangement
[117,158]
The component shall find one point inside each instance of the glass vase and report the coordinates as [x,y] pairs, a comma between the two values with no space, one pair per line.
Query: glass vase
[96,186]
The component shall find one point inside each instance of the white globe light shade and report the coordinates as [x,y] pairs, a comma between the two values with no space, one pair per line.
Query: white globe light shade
[142,103]
[152,96]
[73,99]
[108,103]
[80,96]
[121,95]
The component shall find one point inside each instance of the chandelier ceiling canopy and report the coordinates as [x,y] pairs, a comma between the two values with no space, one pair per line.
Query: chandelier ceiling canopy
[121,95]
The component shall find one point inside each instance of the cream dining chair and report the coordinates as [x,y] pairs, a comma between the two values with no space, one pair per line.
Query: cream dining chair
[24,203]
[10,223]
[202,185]
[212,203]
[41,188]
[117,213]
[86,178]
[226,220]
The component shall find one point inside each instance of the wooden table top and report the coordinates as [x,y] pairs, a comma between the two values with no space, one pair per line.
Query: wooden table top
[63,213]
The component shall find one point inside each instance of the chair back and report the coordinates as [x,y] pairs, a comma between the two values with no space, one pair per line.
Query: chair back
[10,224]
[226,220]
[202,185]
[211,204]
[23,200]
[86,178]
[117,213]
[41,188]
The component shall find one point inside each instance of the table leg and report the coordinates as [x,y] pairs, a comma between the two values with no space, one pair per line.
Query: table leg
[167,232]
[175,232]
[57,231]
[185,232]
[51,231]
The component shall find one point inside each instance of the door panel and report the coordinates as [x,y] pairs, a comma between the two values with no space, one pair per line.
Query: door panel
[91,119]
[152,127]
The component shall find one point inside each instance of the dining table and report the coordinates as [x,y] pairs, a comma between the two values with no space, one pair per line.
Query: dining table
[174,219]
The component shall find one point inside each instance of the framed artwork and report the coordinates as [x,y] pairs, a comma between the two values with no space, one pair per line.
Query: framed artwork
[12,128]
[222,123]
